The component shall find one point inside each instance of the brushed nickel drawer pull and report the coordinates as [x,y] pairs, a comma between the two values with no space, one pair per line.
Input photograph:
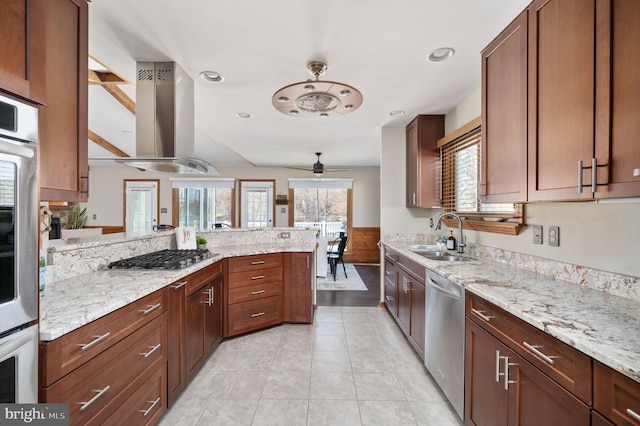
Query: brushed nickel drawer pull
[259,314]
[151,309]
[535,350]
[498,373]
[148,410]
[153,349]
[92,400]
[179,285]
[257,262]
[257,292]
[481,315]
[386,271]
[389,298]
[85,346]
[633,414]
[258,277]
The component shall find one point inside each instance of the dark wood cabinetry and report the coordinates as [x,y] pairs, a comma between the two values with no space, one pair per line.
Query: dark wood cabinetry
[22,57]
[176,353]
[298,306]
[63,122]
[616,398]
[422,159]
[391,282]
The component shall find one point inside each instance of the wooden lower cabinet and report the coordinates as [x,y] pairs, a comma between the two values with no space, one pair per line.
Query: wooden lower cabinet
[418,292]
[254,315]
[176,374]
[298,304]
[615,397]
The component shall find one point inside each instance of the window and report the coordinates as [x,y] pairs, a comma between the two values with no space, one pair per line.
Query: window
[460,162]
[323,204]
[203,203]
[141,205]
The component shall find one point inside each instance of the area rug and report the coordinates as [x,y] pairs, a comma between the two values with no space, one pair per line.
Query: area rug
[351,283]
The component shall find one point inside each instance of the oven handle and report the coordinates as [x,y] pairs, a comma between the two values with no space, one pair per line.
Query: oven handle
[13,344]
[11,149]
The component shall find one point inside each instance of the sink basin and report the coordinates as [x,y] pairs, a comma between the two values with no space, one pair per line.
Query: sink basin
[443,256]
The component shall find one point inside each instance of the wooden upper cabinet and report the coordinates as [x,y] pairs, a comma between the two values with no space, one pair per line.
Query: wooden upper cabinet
[617,98]
[561,97]
[422,161]
[22,57]
[63,121]
[504,115]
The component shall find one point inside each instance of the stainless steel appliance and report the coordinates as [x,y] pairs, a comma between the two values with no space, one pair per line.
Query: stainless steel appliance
[18,251]
[163,259]
[444,337]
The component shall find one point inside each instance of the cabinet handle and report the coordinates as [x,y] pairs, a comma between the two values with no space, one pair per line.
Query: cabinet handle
[259,314]
[85,346]
[580,176]
[148,410]
[414,198]
[258,277]
[535,350]
[633,414]
[257,262]
[179,285]
[92,400]
[150,309]
[594,168]
[209,299]
[498,373]
[388,272]
[153,349]
[257,292]
[481,315]
[389,298]
[507,364]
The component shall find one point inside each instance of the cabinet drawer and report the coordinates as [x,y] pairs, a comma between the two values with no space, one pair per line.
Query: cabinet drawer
[146,405]
[63,355]
[253,292]
[390,297]
[413,268]
[616,396]
[252,263]
[248,316]
[390,274]
[564,364]
[97,388]
[250,278]
[196,280]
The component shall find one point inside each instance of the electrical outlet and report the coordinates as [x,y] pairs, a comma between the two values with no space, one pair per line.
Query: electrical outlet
[554,236]
[285,235]
[537,234]
[95,216]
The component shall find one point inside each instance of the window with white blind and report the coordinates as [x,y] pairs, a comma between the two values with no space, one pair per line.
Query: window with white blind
[460,174]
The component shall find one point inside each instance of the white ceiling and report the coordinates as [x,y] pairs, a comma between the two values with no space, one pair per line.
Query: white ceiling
[377,46]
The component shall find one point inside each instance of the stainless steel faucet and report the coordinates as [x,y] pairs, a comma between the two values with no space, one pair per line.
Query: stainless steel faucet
[461,243]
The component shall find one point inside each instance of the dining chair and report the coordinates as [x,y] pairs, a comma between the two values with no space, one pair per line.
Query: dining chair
[333,257]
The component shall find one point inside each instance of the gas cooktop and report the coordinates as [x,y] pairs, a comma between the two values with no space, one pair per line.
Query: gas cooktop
[164,259]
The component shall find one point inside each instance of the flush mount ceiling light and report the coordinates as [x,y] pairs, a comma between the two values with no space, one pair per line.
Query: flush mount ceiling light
[441,54]
[243,115]
[212,76]
[316,98]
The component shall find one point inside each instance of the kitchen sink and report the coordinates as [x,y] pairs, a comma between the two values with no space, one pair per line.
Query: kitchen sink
[443,256]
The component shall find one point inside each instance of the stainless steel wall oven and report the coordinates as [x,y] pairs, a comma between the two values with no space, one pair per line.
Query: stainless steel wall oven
[18,251]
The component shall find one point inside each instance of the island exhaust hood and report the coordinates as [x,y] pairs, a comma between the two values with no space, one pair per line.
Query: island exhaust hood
[165,121]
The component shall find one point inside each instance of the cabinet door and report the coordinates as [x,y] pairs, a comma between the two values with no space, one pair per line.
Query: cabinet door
[422,160]
[404,302]
[63,121]
[617,98]
[391,287]
[22,57]
[195,331]
[504,115]
[214,314]
[418,314]
[300,309]
[486,400]
[561,98]
[176,379]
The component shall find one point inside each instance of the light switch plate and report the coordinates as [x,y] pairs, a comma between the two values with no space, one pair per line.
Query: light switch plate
[537,234]
[554,236]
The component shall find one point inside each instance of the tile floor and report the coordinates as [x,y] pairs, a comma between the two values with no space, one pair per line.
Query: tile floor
[352,367]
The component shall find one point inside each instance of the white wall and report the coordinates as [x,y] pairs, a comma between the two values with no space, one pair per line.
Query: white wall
[600,236]
[106,192]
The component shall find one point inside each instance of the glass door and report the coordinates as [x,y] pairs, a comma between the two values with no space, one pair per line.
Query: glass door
[141,205]
[256,206]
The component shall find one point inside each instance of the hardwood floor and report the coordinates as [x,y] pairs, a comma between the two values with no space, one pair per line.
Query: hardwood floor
[370,274]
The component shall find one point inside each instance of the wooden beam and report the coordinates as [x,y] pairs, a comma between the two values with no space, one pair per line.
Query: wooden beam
[100,141]
[121,97]
[102,77]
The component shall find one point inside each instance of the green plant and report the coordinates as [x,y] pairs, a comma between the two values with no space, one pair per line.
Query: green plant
[79,219]
[200,241]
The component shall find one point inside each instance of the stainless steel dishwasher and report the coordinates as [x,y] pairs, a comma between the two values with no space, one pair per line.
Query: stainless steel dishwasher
[444,337]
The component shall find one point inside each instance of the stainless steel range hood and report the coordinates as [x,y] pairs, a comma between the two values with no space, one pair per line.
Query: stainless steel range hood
[165,121]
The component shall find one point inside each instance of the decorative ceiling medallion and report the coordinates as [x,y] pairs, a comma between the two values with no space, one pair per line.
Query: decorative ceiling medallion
[317,98]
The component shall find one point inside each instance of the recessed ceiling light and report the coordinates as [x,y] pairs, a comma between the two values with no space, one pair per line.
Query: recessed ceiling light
[212,76]
[441,54]
[396,112]
[243,115]
[127,132]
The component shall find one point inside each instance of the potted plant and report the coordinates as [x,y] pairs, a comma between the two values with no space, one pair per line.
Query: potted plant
[77,226]
[79,219]
[201,243]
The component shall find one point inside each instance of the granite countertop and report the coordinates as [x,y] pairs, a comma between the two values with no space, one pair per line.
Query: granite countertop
[603,326]
[71,303]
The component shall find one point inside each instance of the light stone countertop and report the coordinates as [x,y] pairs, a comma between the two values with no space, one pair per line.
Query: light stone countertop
[603,326]
[75,302]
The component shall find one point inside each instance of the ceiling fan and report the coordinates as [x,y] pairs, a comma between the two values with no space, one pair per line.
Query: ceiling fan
[318,168]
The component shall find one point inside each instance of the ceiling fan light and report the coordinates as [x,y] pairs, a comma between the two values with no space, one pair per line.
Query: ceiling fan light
[348,107]
[309,88]
[294,112]
[324,114]
[283,99]
[345,92]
